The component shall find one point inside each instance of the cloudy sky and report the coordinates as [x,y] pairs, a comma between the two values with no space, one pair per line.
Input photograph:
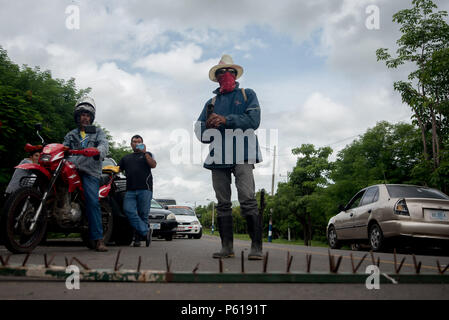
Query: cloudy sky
[311,63]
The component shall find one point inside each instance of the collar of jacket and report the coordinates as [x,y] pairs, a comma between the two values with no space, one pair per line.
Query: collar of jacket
[217,91]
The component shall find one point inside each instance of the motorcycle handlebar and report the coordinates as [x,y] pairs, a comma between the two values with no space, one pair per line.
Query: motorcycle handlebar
[88,152]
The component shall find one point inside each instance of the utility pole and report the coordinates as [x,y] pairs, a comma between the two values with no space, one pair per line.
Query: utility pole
[274,167]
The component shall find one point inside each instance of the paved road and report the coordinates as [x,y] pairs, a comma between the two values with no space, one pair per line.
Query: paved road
[186,254]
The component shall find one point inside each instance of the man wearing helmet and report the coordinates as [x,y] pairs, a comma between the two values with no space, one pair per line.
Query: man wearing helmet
[89,167]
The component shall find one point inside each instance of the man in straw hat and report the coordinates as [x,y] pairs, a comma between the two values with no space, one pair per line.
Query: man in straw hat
[227,122]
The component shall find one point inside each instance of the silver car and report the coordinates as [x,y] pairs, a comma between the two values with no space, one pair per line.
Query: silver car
[382,212]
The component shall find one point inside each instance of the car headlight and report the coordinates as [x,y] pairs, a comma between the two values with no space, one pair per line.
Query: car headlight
[171,216]
[195,222]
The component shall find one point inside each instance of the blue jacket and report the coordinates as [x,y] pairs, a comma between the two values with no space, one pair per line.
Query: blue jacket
[235,142]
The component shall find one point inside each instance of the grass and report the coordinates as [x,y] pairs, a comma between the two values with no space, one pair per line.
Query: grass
[315,243]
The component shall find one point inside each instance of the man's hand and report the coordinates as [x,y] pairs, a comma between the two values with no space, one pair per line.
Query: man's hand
[144,148]
[215,120]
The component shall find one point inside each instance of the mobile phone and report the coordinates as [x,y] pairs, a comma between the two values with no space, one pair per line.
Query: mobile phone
[140,146]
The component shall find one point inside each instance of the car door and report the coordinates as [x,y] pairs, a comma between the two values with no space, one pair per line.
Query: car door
[345,225]
[362,213]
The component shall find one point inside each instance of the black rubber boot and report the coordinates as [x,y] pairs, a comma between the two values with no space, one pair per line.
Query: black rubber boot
[227,238]
[254,224]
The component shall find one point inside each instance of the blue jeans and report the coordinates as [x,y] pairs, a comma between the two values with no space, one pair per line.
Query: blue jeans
[137,208]
[91,186]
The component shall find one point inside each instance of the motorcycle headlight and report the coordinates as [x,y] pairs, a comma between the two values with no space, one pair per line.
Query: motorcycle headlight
[171,216]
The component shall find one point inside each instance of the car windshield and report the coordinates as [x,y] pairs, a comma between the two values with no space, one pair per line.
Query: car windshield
[155,205]
[182,211]
[415,192]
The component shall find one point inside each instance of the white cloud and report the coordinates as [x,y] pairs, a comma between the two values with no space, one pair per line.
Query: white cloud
[148,63]
[180,63]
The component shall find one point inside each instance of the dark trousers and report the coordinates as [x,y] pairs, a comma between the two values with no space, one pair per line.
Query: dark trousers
[244,182]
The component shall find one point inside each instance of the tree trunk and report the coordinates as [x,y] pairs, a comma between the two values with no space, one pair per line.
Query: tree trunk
[307,229]
[309,223]
[423,136]
[435,142]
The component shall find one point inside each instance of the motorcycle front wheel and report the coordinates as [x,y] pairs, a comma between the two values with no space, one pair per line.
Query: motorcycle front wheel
[19,210]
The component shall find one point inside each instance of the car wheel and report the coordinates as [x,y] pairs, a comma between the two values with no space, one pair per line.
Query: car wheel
[376,238]
[332,238]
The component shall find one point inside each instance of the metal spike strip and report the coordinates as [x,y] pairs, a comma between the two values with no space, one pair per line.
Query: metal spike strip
[167,262]
[265,262]
[26,259]
[85,266]
[59,273]
[332,266]
[116,265]
[354,269]
[372,259]
[441,270]
[417,265]
[396,268]
[139,263]
[289,261]
[309,262]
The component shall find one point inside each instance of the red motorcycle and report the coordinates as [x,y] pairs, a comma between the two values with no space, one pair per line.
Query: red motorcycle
[52,199]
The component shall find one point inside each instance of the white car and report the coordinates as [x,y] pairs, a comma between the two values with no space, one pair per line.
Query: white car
[188,223]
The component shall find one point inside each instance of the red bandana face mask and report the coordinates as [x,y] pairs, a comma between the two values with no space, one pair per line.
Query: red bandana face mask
[227,82]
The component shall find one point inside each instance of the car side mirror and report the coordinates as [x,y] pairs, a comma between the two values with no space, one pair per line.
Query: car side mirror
[198,215]
[342,208]
[166,207]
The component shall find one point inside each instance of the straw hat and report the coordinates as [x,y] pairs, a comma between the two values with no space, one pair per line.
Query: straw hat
[225,62]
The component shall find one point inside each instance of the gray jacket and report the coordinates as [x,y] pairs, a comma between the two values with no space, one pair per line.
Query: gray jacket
[88,165]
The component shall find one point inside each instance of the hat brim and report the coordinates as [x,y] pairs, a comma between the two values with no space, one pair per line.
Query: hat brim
[220,66]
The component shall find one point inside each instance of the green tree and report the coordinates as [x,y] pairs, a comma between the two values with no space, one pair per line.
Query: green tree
[296,200]
[29,96]
[425,45]
[386,153]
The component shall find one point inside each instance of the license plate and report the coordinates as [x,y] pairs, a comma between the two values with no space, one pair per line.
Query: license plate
[155,226]
[439,215]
